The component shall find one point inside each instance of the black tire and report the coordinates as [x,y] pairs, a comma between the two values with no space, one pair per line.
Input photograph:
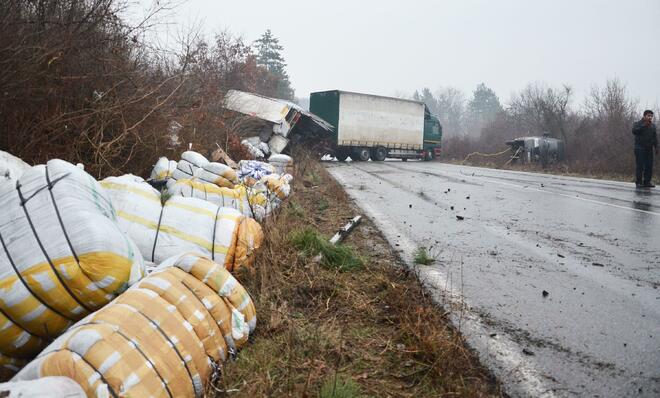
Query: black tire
[341,156]
[378,154]
[361,154]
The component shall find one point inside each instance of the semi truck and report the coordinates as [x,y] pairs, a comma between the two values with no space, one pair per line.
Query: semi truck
[374,127]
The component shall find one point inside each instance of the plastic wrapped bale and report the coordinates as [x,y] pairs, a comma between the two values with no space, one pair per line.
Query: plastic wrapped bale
[283,163]
[251,171]
[253,149]
[250,202]
[190,162]
[160,338]
[182,224]
[11,167]
[62,256]
[163,170]
[278,185]
[53,386]
[218,174]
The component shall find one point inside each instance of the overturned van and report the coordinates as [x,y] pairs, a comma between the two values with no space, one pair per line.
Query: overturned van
[542,150]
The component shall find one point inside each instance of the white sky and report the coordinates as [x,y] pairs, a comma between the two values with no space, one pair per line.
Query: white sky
[390,47]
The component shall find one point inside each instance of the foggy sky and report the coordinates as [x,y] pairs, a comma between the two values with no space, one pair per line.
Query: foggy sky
[393,47]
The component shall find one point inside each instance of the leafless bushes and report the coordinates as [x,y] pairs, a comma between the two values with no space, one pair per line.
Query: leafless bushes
[78,83]
[596,131]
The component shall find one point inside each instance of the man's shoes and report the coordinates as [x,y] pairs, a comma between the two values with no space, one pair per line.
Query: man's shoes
[649,185]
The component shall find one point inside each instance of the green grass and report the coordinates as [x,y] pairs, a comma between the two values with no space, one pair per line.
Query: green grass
[339,387]
[323,204]
[295,209]
[423,257]
[311,243]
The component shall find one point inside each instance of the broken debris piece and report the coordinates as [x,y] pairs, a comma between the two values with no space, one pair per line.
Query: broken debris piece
[527,352]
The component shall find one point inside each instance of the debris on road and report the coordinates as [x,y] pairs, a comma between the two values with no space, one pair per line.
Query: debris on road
[598,264]
[545,293]
[460,218]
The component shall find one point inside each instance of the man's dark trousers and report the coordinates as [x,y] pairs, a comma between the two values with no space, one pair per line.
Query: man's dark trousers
[644,164]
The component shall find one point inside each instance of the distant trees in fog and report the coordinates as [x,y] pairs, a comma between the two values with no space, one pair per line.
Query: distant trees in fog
[596,130]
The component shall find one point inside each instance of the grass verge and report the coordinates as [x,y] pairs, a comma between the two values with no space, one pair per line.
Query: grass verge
[331,331]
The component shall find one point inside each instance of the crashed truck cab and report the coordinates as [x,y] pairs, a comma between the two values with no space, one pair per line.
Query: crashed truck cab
[536,149]
[275,122]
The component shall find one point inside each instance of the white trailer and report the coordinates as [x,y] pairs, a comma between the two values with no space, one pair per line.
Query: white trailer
[371,126]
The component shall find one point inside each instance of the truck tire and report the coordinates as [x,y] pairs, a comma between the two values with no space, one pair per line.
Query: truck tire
[379,154]
[341,155]
[361,154]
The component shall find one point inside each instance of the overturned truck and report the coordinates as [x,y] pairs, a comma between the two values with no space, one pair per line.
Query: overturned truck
[542,150]
[280,121]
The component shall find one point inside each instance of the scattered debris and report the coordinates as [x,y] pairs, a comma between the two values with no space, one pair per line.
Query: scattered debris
[560,255]
[460,218]
[528,352]
[598,264]
[545,293]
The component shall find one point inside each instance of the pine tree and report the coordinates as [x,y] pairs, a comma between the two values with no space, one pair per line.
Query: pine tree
[269,55]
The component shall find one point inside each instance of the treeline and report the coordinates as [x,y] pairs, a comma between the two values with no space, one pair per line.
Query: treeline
[78,82]
[596,131]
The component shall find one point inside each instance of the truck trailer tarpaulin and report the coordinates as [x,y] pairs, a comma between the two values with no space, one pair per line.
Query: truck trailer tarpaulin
[375,127]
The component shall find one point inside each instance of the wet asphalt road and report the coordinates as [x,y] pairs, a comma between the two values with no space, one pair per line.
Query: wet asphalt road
[592,246]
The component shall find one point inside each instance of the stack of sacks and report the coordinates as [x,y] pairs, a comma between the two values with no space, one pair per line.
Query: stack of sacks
[62,256]
[283,164]
[182,224]
[158,339]
[252,171]
[189,164]
[218,174]
[163,170]
[250,202]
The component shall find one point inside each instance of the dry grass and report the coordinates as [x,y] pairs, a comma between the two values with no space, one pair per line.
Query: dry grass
[369,331]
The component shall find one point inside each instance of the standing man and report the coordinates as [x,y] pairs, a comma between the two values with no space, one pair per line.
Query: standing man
[646,142]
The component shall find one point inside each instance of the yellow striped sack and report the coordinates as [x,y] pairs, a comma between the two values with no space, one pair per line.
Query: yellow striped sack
[62,256]
[161,338]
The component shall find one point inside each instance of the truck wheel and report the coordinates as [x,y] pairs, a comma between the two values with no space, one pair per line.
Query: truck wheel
[361,154]
[379,154]
[341,156]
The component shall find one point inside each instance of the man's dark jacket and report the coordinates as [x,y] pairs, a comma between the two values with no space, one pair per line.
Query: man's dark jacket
[645,135]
